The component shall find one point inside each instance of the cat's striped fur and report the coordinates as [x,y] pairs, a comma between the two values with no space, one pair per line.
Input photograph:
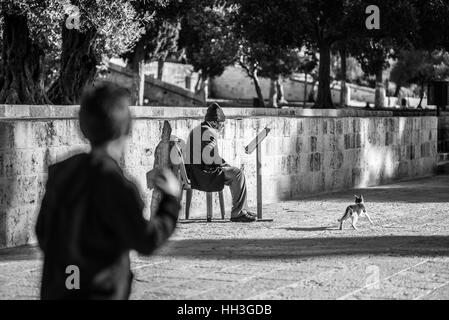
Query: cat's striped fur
[354,212]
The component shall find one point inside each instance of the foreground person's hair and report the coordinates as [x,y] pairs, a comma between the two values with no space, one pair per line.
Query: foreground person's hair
[104,113]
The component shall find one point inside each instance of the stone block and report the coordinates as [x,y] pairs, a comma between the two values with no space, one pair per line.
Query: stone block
[339,127]
[313,143]
[6,136]
[318,182]
[18,191]
[15,226]
[300,127]
[331,126]
[315,162]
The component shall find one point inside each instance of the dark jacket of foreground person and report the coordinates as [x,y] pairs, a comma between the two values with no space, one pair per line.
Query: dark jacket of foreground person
[208,177]
[91,217]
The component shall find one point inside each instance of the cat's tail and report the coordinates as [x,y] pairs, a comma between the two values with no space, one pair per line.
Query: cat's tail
[345,215]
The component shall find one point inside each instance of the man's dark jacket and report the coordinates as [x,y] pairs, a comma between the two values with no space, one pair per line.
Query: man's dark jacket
[91,217]
[204,176]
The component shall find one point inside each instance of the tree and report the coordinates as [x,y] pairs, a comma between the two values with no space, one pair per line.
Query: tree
[432,19]
[419,67]
[323,24]
[318,24]
[249,54]
[374,48]
[373,57]
[160,20]
[282,62]
[270,56]
[1,50]
[28,32]
[107,28]
[208,38]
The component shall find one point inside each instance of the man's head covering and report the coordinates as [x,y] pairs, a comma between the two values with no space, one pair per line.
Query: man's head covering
[215,113]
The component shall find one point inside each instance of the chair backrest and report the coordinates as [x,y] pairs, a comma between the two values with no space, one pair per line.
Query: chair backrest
[185,181]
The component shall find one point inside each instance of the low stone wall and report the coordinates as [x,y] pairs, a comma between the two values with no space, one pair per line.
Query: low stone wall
[443,132]
[161,93]
[307,152]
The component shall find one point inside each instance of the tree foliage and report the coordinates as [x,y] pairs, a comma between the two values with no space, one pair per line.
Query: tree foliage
[208,38]
[160,22]
[420,67]
[108,28]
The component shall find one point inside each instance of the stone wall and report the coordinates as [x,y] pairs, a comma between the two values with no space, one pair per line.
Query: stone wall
[234,84]
[443,132]
[161,93]
[307,152]
[179,74]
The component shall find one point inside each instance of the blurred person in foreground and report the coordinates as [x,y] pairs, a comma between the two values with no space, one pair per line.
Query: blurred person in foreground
[92,216]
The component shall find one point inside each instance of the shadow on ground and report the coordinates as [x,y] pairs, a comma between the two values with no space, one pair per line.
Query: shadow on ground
[417,191]
[20,253]
[310,247]
[311,229]
[264,249]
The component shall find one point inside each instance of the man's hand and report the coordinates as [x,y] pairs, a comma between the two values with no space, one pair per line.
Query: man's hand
[166,181]
[213,143]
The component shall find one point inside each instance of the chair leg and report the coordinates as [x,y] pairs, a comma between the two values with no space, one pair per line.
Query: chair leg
[222,206]
[209,206]
[189,193]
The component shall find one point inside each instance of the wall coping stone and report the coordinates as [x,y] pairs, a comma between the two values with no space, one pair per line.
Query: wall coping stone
[39,112]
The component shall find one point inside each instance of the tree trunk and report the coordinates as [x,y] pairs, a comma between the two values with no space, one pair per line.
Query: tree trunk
[201,86]
[422,95]
[141,91]
[324,99]
[305,90]
[137,68]
[258,90]
[1,72]
[379,99]
[398,90]
[23,64]
[281,94]
[78,66]
[343,92]
[160,69]
[273,100]
[312,92]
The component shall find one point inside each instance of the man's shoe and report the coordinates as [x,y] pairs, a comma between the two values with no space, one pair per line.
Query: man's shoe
[251,213]
[244,217]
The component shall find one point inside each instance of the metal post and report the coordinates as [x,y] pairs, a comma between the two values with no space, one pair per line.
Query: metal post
[259,180]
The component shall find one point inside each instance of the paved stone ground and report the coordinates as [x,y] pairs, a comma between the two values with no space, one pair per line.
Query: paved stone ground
[301,255]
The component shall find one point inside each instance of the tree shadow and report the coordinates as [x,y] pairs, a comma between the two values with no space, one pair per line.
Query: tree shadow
[264,249]
[275,249]
[311,229]
[423,190]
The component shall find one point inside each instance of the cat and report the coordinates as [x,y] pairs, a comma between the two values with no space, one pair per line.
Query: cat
[354,212]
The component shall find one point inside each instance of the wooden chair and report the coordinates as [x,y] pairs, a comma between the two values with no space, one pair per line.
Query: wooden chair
[186,185]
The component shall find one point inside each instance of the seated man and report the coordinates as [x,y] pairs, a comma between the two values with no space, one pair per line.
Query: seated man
[208,172]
